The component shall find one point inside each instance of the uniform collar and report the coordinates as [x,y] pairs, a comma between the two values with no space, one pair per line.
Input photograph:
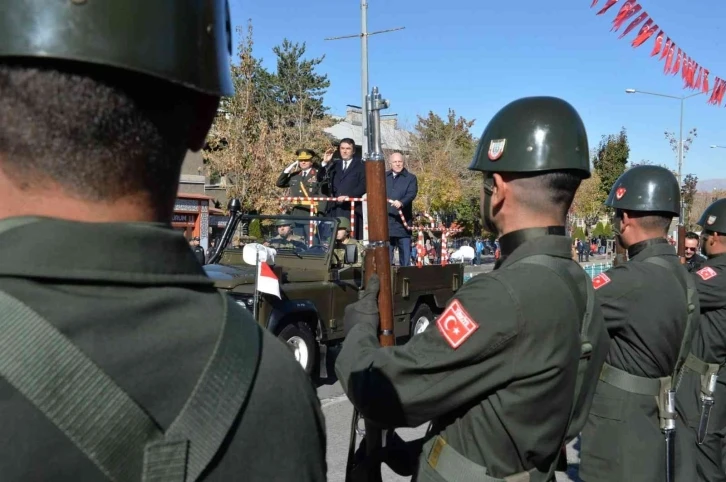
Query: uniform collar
[128,253]
[526,242]
[650,247]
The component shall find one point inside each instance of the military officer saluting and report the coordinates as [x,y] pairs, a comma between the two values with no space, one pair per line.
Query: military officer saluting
[343,239]
[646,309]
[304,180]
[704,410]
[506,375]
[285,238]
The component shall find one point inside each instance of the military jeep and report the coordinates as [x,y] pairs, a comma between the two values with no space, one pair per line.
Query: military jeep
[316,286]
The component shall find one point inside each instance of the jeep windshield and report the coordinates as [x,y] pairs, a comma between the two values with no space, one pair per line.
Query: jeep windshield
[288,235]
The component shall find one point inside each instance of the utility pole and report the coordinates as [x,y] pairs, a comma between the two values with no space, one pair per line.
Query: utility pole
[364,34]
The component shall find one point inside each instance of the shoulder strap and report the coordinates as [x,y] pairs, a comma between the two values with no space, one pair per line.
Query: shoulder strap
[585,341]
[687,283]
[103,421]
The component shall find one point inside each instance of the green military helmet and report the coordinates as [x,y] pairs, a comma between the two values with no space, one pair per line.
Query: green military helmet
[283,222]
[646,189]
[714,217]
[534,134]
[344,223]
[187,42]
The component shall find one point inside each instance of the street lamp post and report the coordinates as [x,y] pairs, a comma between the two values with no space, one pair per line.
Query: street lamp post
[681,223]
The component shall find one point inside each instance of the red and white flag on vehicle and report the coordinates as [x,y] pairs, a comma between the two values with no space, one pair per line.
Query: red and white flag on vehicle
[267,282]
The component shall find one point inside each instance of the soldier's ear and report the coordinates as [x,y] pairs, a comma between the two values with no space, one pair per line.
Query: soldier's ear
[500,187]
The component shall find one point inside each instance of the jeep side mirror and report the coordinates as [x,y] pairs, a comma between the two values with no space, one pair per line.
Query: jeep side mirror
[351,254]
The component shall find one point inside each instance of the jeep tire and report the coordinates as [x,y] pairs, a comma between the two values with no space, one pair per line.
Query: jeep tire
[299,338]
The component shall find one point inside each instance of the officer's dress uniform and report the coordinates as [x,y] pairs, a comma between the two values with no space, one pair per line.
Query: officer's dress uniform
[709,346]
[495,375]
[304,184]
[149,319]
[645,313]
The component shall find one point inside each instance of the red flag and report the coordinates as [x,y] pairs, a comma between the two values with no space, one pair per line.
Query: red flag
[677,64]
[699,77]
[634,23]
[607,6]
[267,282]
[666,49]
[704,87]
[718,85]
[629,8]
[669,59]
[721,92]
[658,42]
[684,70]
[594,2]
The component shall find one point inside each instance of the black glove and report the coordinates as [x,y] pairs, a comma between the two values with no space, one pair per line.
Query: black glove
[365,310]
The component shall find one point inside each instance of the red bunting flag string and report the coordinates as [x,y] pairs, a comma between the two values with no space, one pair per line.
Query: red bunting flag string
[676,60]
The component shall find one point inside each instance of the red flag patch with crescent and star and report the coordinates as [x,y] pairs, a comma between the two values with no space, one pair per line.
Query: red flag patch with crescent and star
[600,280]
[456,325]
[706,273]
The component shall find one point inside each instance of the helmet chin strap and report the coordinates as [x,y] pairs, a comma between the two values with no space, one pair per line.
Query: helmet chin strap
[488,191]
[616,230]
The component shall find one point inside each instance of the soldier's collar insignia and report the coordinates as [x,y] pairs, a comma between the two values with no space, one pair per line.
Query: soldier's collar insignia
[496,148]
[711,220]
[619,193]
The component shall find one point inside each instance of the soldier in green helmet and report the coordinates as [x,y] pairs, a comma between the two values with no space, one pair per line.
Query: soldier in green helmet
[113,338]
[701,397]
[507,374]
[286,239]
[648,303]
[343,239]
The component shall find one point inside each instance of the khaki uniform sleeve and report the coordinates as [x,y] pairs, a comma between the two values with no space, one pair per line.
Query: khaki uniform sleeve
[427,377]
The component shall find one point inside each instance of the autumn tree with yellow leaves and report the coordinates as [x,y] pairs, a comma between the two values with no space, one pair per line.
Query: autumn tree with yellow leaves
[589,202]
[270,116]
[441,151]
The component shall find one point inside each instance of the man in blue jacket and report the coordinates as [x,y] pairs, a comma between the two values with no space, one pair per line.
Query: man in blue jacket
[401,189]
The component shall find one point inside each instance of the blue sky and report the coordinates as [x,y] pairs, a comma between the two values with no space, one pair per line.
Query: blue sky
[476,56]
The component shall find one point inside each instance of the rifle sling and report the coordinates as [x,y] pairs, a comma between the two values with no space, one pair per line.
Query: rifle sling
[103,421]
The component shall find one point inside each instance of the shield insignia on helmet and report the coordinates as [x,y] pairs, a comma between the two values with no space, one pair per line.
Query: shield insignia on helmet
[711,220]
[619,193]
[496,148]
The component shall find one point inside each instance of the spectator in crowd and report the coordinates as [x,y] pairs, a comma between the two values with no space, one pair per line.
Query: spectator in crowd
[694,260]
[401,189]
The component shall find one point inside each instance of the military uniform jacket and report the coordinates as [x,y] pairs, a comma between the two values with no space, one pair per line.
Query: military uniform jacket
[340,251]
[149,318]
[313,183]
[645,313]
[709,345]
[496,374]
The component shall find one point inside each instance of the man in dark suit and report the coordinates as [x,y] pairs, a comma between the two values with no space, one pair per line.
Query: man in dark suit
[401,189]
[347,179]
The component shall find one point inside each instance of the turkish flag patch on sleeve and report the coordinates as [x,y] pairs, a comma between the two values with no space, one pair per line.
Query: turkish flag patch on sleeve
[706,273]
[456,325]
[600,280]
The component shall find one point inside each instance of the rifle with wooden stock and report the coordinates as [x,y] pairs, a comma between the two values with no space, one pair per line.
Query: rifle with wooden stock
[377,260]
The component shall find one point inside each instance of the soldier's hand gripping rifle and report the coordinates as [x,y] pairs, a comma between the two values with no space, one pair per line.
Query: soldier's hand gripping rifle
[377,261]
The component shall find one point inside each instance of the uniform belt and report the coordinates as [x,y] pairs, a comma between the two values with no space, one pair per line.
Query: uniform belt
[629,383]
[697,365]
[454,467]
